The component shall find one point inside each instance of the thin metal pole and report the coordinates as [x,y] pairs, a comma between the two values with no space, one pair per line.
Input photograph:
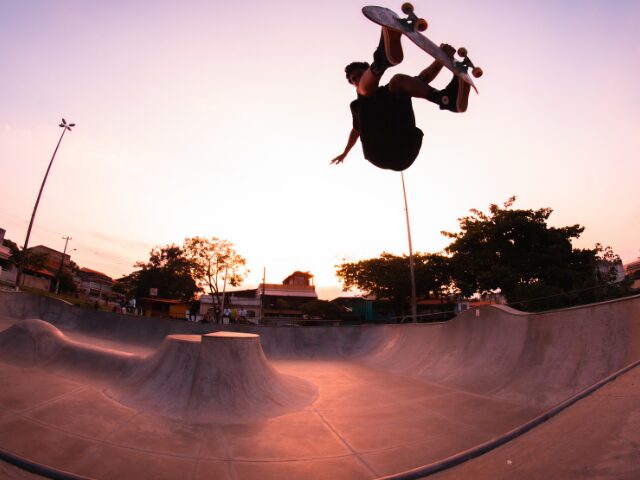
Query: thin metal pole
[264,286]
[33,215]
[224,290]
[414,308]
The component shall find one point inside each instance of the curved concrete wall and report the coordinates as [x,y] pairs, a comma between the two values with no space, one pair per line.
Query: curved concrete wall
[531,359]
[528,359]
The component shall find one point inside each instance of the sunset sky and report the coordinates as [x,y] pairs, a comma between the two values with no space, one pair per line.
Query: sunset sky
[212,118]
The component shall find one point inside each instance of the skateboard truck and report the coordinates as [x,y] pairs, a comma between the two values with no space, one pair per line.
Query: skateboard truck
[412,20]
[466,63]
[418,24]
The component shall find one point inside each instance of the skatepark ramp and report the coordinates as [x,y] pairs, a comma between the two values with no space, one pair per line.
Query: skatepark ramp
[530,359]
[362,401]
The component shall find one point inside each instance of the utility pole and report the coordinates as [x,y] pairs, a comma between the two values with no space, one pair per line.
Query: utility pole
[224,291]
[66,242]
[65,127]
[414,308]
[264,280]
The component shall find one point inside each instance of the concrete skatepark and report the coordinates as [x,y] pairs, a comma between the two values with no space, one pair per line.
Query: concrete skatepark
[493,393]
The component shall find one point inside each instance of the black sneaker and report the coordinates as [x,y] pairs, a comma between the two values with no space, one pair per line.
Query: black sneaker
[388,53]
[451,98]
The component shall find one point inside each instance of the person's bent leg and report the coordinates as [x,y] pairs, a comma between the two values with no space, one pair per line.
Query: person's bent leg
[416,87]
[411,86]
[369,83]
[387,54]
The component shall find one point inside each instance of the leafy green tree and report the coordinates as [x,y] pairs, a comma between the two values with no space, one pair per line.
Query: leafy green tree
[13,246]
[168,270]
[516,252]
[29,259]
[609,264]
[67,284]
[388,276]
[214,262]
[126,285]
[433,275]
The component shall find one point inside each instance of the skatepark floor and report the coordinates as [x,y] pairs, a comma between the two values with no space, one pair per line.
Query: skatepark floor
[363,422]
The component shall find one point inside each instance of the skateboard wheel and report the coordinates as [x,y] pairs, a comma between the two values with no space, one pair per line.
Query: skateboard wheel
[407,8]
[462,52]
[421,25]
[477,72]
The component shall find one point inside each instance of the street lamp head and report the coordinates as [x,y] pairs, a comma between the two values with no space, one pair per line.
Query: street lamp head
[64,125]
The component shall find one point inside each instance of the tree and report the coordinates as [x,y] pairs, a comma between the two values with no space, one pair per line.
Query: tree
[168,270]
[13,246]
[67,284]
[609,264]
[388,276]
[28,260]
[516,252]
[214,264]
[126,285]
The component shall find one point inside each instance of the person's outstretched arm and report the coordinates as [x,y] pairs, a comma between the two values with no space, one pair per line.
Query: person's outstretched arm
[353,138]
[432,71]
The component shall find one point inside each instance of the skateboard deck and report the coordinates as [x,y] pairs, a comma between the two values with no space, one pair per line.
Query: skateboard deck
[388,18]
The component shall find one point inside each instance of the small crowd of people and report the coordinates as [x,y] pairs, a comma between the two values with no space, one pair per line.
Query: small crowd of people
[226,316]
[129,306]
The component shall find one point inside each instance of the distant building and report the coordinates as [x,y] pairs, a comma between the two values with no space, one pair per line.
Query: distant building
[163,308]
[249,300]
[93,285]
[358,309]
[44,277]
[272,303]
[5,253]
[54,260]
[7,269]
[301,279]
[281,303]
[632,272]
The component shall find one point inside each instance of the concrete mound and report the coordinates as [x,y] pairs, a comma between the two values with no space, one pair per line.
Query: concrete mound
[30,342]
[222,377]
[34,343]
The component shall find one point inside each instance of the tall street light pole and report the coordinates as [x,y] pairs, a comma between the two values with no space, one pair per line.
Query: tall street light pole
[65,127]
[414,309]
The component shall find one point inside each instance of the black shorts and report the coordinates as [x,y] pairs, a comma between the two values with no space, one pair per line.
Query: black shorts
[398,154]
[388,132]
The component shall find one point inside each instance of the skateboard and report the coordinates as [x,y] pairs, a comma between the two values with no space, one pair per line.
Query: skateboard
[411,26]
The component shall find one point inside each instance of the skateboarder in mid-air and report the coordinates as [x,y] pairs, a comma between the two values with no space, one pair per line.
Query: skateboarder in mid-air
[383,116]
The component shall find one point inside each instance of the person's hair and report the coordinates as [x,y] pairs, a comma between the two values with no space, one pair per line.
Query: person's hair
[353,66]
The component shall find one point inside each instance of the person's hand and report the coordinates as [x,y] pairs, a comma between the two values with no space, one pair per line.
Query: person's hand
[448,49]
[338,159]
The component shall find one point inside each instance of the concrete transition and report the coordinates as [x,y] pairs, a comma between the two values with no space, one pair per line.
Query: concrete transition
[494,393]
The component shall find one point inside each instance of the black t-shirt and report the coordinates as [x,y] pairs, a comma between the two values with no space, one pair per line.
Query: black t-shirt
[387,128]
